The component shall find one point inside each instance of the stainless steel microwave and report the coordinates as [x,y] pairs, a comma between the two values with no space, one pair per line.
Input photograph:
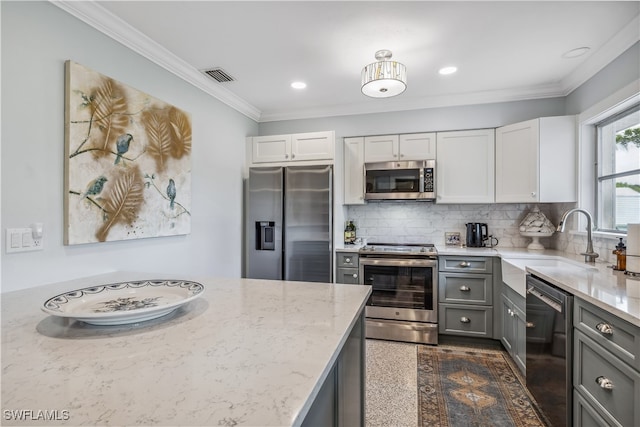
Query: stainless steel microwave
[405,180]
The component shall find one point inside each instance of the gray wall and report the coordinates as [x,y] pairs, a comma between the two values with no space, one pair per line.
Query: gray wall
[622,71]
[37,38]
[425,120]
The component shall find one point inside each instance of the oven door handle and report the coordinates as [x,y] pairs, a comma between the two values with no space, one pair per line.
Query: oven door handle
[395,262]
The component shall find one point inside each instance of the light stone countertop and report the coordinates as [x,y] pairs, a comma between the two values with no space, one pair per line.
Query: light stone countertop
[247,352]
[610,290]
[597,284]
[348,248]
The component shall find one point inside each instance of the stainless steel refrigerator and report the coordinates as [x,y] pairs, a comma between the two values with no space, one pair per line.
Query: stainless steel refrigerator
[289,223]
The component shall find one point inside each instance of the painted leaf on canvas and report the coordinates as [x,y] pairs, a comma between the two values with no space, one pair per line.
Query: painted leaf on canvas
[127,161]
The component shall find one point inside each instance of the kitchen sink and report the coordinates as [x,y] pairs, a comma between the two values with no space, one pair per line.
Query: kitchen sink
[514,271]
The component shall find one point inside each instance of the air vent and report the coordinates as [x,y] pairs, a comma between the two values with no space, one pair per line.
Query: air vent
[219,75]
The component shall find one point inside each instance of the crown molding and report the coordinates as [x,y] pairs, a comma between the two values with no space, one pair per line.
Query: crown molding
[618,44]
[104,21]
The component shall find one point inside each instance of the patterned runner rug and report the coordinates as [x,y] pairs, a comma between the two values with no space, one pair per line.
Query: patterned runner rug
[459,388]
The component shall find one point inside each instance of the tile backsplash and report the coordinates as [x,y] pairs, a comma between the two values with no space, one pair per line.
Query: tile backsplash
[419,222]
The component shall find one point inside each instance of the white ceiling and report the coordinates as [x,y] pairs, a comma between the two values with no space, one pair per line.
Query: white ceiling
[504,51]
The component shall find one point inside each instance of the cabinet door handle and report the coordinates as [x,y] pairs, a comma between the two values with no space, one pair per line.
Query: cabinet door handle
[605,383]
[286,156]
[531,325]
[465,288]
[533,194]
[355,275]
[464,264]
[465,320]
[604,328]
[347,260]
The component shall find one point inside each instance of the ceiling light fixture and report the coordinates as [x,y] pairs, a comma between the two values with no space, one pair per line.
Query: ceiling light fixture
[298,85]
[574,53]
[447,70]
[384,79]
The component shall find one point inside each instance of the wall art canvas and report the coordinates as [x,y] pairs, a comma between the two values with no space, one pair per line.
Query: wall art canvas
[127,161]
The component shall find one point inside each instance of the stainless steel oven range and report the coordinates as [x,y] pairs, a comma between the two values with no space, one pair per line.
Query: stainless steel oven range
[403,305]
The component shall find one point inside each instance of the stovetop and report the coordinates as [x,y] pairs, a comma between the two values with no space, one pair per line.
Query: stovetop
[401,249]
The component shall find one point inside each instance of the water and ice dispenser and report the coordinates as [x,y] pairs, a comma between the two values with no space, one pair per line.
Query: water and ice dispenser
[265,235]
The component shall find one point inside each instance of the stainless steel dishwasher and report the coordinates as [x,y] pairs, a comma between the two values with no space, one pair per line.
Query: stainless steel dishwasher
[549,349]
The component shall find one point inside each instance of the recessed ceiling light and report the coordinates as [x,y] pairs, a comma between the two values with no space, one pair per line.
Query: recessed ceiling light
[298,85]
[448,70]
[574,53]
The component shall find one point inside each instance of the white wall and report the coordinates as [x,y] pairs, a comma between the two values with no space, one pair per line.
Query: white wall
[37,38]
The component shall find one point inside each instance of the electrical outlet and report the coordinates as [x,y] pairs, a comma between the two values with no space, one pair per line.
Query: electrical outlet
[22,240]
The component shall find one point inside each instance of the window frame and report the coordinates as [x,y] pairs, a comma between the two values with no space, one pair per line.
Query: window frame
[587,171]
[600,179]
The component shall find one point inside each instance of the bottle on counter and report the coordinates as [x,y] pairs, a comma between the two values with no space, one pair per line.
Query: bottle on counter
[350,233]
[621,256]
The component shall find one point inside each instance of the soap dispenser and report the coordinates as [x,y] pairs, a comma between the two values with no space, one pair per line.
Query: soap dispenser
[621,256]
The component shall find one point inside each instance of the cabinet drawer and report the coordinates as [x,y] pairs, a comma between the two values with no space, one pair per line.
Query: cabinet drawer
[584,415]
[459,288]
[623,339]
[466,264]
[465,320]
[348,275]
[347,259]
[592,362]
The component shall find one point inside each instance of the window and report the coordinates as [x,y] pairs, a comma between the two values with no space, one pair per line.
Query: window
[618,171]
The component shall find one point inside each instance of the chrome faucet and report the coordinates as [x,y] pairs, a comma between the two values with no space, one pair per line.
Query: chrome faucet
[589,255]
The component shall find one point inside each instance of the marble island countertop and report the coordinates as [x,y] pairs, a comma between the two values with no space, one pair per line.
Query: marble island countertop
[247,352]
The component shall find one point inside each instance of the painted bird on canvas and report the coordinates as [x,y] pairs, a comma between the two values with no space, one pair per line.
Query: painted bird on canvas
[95,187]
[171,192]
[122,145]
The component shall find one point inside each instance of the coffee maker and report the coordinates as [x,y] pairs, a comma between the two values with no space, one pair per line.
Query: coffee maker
[477,233]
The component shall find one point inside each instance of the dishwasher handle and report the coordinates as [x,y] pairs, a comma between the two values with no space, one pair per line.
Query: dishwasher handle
[545,299]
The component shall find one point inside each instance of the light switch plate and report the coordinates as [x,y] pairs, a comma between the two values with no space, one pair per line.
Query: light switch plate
[21,240]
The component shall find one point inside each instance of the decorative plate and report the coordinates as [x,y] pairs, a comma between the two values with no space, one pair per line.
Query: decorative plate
[123,303]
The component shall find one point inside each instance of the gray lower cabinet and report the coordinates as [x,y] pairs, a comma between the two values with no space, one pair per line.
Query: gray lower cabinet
[341,399]
[347,268]
[606,374]
[513,325]
[465,296]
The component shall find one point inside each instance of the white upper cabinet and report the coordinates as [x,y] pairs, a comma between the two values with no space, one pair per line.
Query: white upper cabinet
[354,171]
[385,148]
[269,149]
[536,161]
[465,166]
[381,148]
[312,146]
[418,146]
